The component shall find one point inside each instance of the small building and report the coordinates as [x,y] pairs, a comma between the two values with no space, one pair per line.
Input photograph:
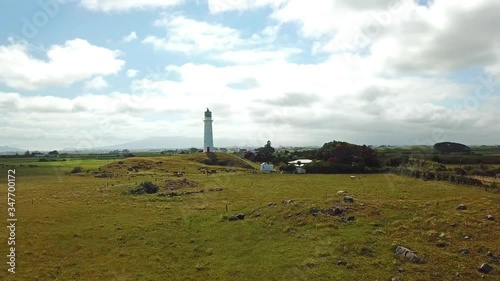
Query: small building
[266,167]
[300,170]
[299,165]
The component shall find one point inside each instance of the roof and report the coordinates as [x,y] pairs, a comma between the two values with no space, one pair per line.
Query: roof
[302,161]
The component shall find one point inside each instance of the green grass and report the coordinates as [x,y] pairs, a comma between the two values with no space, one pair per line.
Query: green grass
[84,228]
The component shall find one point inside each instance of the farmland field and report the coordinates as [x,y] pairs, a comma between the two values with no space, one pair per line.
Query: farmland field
[82,227]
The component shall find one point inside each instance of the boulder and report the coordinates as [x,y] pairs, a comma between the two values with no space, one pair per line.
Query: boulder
[348,199]
[240,216]
[485,268]
[408,254]
[341,262]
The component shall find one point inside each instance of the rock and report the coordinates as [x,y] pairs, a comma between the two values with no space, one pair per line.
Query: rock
[461,207]
[490,217]
[401,270]
[407,253]
[348,199]
[485,268]
[463,251]
[233,218]
[240,216]
[334,211]
[395,279]
[351,218]
[288,202]
[466,237]
[271,204]
[314,211]
[341,192]
[441,244]
[341,262]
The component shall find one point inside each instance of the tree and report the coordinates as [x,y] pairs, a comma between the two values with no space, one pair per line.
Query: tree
[27,153]
[450,147]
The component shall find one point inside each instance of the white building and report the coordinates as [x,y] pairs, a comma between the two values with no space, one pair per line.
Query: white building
[266,167]
[299,165]
[208,138]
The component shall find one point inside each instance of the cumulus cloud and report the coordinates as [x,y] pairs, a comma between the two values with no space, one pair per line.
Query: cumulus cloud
[191,36]
[130,37]
[124,5]
[132,73]
[97,83]
[66,64]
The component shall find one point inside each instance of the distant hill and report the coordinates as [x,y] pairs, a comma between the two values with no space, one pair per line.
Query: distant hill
[158,143]
[4,149]
[176,142]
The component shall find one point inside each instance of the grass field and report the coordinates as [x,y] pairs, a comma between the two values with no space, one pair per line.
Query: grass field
[79,227]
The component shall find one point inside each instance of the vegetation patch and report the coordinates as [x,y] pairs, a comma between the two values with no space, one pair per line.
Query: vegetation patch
[145,188]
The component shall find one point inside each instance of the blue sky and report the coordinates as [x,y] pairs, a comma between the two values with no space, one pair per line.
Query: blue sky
[91,73]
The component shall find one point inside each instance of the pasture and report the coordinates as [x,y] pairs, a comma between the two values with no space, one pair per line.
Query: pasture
[81,227]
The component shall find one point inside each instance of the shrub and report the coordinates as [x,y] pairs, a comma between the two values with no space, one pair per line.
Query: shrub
[145,187]
[77,170]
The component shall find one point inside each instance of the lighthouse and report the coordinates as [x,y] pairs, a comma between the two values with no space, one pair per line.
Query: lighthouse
[208,140]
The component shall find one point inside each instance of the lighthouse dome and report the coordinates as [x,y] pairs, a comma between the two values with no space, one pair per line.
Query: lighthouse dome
[208,113]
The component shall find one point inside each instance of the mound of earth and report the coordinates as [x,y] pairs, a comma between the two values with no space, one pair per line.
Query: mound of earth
[177,184]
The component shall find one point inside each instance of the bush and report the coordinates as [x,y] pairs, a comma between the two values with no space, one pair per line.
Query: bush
[76,170]
[145,187]
[43,160]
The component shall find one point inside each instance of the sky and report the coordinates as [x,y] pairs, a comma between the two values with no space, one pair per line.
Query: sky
[91,73]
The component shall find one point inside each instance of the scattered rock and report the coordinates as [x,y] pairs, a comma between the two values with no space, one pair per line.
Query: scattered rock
[334,211]
[341,262]
[314,211]
[463,251]
[407,253]
[461,207]
[490,217]
[240,216]
[348,220]
[441,244]
[485,268]
[348,199]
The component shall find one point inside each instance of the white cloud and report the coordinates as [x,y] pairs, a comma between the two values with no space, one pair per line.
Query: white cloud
[191,36]
[130,37]
[97,83]
[221,6]
[124,5]
[132,73]
[66,64]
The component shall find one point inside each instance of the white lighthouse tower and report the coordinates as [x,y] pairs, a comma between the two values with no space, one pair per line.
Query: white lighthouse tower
[208,141]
